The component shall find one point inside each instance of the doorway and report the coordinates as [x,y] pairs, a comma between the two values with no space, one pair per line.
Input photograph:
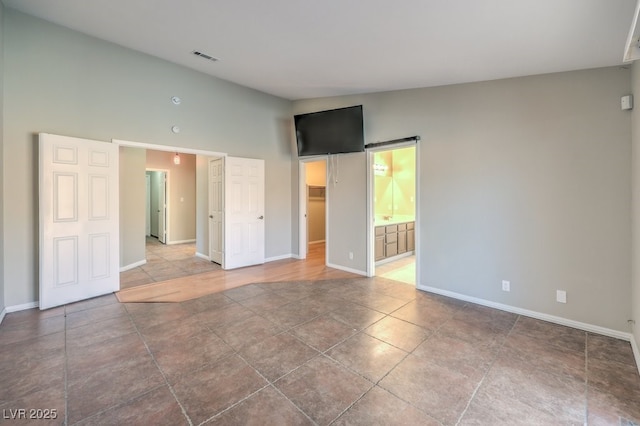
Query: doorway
[158,211]
[393,201]
[313,211]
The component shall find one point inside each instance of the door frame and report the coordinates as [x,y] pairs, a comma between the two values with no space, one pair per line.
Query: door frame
[303,231]
[371,263]
[167,192]
[173,149]
[147,225]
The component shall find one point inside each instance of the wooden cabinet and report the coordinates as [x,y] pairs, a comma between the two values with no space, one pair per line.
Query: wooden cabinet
[379,243]
[402,238]
[392,240]
[411,236]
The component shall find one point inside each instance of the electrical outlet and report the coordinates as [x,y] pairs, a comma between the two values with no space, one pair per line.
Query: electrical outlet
[350,255]
[561,296]
[506,285]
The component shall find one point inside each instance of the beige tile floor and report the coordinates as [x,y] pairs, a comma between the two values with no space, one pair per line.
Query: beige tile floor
[361,351]
[402,270]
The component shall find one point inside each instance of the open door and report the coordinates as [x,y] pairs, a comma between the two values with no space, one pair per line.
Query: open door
[216,209]
[162,208]
[79,219]
[244,212]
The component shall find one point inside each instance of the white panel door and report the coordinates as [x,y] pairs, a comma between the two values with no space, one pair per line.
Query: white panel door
[216,210]
[244,212]
[79,222]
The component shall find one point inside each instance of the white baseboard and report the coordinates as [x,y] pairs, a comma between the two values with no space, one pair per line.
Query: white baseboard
[533,314]
[394,258]
[23,307]
[202,256]
[347,269]
[170,243]
[133,265]
[281,257]
[636,351]
[2,314]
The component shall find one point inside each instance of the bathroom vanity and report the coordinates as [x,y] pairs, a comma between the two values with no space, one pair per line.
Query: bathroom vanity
[394,239]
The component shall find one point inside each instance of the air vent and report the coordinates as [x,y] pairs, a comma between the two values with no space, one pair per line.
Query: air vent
[204,55]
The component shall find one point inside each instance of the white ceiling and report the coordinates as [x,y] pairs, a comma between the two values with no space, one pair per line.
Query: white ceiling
[300,49]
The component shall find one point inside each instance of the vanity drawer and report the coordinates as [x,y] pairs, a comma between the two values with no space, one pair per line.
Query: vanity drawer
[392,238]
[379,230]
[392,228]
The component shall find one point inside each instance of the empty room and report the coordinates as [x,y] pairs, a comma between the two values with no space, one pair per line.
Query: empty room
[291,213]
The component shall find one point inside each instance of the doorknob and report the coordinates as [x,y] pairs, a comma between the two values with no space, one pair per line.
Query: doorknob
[210,216]
[260,217]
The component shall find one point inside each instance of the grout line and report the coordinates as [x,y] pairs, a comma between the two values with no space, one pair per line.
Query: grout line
[292,403]
[164,376]
[486,373]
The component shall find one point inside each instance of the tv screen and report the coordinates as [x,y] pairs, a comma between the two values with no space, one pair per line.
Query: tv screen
[334,131]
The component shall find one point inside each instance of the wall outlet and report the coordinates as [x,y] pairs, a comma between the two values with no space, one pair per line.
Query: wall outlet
[350,255]
[506,285]
[561,296]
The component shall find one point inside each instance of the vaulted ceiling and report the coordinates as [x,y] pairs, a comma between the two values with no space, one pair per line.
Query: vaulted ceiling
[299,49]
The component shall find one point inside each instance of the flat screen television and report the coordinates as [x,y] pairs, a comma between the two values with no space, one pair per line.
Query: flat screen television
[335,131]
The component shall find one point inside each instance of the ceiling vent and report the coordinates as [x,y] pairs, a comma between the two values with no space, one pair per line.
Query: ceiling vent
[205,56]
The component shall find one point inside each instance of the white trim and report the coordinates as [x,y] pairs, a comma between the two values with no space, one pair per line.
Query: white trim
[631,48]
[168,148]
[167,197]
[281,257]
[533,314]
[133,265]
[23,307]
[203,256]
[2,314]
[181,242]
[371,237]
[347,269]
[394,258]
[302,209]
[636,351]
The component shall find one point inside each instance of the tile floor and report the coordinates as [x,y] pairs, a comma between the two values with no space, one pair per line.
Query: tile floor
[165,262]
[366,351]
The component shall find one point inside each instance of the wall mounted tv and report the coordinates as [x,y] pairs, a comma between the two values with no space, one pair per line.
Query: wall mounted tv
[335,131]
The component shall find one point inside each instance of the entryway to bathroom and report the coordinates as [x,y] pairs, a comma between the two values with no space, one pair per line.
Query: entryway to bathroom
[394,211]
